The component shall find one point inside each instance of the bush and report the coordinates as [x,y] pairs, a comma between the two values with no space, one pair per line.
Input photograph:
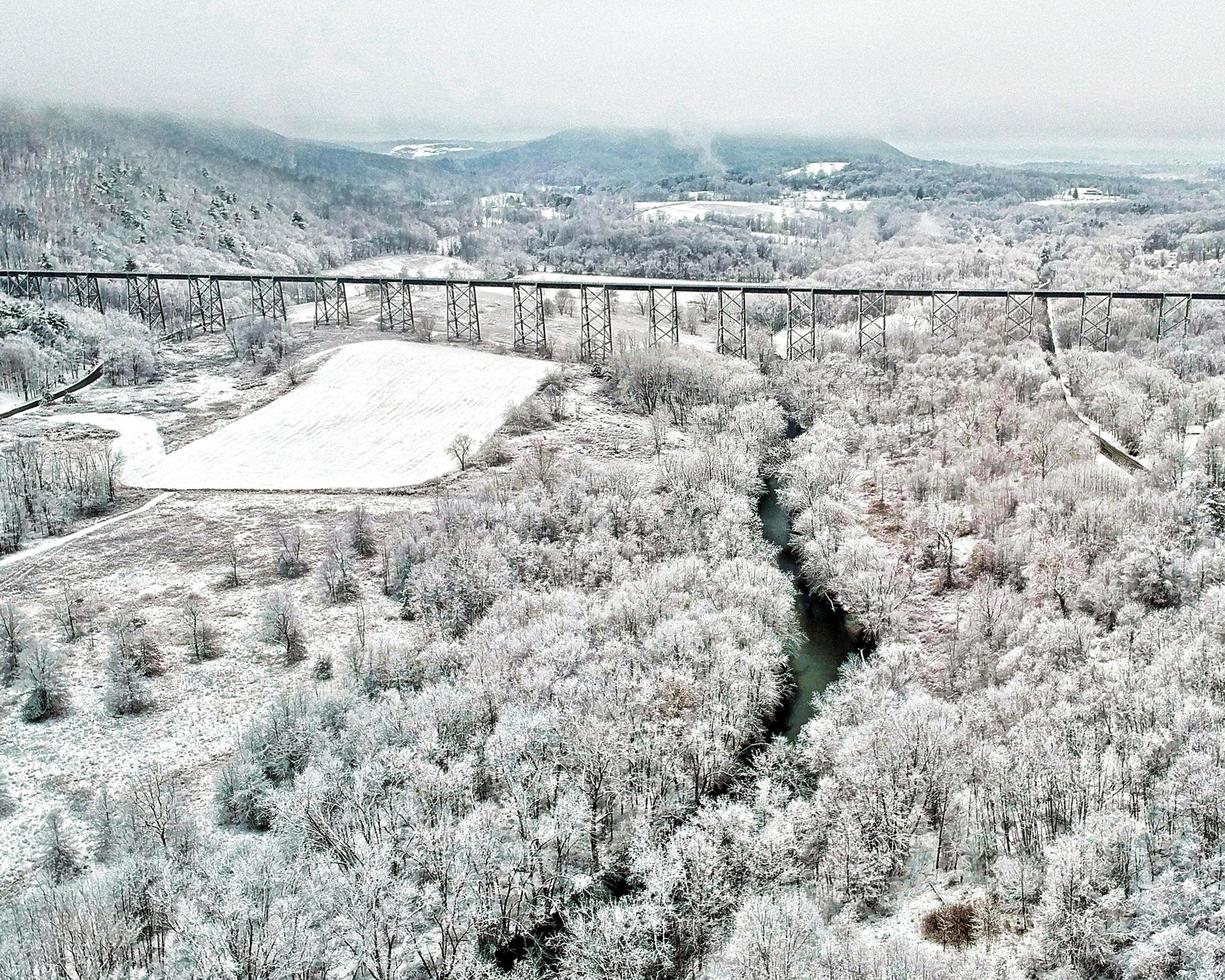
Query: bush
[949,925]
[530,415]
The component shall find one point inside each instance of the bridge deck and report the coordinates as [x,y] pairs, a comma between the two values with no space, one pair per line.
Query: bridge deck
[627,285]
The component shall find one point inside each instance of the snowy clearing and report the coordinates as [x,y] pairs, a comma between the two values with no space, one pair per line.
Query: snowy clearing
[812,203]
[376,415]
[137,438]
[819,168]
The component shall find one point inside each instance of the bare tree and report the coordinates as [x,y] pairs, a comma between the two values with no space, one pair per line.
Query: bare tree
[289,561]
[281,623]
[232,577]
[12,642]
[659,431]
[461,449]
[337,572]
[202,640]
[361,532]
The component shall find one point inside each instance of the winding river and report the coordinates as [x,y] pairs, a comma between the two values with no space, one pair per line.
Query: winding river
[824,641]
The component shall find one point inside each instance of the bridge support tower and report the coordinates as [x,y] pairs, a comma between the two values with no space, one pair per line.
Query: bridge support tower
[23,285]
[145,302]
[84,291]
[529,331]
[872,323]
[331,302]
[1173,315]
[733,323]
[595,338]
[946,314]
[1095,320]
[268,298]
[801,325]
[663,321]
[1018,316]
[205,308]
[396,305]
[463,317]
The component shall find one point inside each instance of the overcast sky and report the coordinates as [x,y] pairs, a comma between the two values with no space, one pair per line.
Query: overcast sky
[922,73]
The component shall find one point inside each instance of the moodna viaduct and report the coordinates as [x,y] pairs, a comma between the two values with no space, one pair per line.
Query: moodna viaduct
[207,295]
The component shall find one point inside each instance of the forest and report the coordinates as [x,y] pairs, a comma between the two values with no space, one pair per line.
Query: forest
[523,720]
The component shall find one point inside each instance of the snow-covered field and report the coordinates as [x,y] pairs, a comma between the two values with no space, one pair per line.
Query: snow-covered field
[418,151]
[375,415]
[699,210]
[819,168]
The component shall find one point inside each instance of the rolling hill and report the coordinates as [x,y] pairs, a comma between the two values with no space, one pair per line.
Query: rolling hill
[579,156]
[105,188]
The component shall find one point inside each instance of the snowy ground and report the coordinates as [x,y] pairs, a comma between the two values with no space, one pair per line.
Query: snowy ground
[152,558]
[375,415]
[811,205]
[819,168]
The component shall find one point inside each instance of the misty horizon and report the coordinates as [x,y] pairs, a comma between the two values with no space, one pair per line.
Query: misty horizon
[953,80]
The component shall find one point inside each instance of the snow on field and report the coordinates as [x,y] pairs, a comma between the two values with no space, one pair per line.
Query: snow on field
[376,415]
[417,151]
[810,203]
[409,263]
[10,400]
[137,439]
[819,168]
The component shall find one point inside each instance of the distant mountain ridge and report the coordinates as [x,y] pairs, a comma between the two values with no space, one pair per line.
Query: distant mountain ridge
[577,156]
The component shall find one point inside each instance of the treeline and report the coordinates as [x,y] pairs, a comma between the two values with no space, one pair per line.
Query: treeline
[43,346]
[45,486]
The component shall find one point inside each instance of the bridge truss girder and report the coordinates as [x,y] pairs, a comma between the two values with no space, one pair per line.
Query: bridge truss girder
[145,302]
[946,314]
[801,324]
[331,303]
[1173,315]
[595,337]
[1095,320]
[733,323]
[23,286]
[396,305]
[84,291]
[268,298]
[529,331]
[872,322]
[463,316]
[205,308]
[1018,316]
[663,320]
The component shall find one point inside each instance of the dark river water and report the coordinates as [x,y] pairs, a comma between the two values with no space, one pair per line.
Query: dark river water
[824,641]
